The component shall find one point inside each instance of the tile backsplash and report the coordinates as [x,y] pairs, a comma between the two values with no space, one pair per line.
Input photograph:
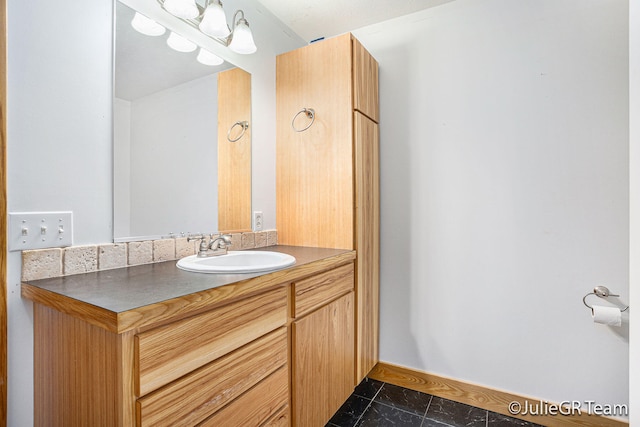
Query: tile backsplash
[56,262]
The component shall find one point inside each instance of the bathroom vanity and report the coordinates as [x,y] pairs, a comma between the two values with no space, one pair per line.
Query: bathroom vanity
[153,345]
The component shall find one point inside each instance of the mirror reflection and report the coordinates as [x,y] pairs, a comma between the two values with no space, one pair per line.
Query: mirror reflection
[171,118]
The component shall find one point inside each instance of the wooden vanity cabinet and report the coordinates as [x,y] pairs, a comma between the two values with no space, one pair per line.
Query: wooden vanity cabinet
[322,342]
[327,176]
[189,369]
[275,350]
[179,372]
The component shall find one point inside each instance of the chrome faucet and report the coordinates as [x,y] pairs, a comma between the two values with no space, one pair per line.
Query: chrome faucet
[216,246]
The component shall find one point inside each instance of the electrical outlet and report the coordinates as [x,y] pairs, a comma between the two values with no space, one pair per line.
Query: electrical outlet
[257,221]
[39,230]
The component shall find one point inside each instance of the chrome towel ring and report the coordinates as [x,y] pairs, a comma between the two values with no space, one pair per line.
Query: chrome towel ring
[310,113]
[244,125]
[602,292]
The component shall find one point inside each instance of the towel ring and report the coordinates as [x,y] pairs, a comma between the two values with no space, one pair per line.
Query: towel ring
[310,113]
[602,292]
[244,125]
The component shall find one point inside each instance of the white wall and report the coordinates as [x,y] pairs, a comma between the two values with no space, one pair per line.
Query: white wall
[504,180]
[634,138]
[174,155]
[121,167]
[59,145]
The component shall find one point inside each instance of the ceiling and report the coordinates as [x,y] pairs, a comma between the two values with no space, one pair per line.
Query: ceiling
[144,65]
[312,19]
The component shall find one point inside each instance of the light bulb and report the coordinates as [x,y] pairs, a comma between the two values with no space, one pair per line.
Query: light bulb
[147,26]
[185,9]
[242,39]
[214,21]
[207,58]
[179,43]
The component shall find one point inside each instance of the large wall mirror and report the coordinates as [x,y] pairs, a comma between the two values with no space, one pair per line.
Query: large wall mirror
[182,139]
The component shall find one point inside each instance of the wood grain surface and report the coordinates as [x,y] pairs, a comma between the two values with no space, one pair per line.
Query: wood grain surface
[365,82]
[193,398]
[234,158]
[314,174]
[318,290]
[257,406]
[367,165]
[171,351]
[68,390]
[322,362]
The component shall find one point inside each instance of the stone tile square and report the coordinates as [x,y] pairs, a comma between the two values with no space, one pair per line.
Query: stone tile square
[261,239]
[272,237]
[248,240]
[112,256]
[368,388]
[382,415]
[80,259]
[350,412]
[499,420]
[236,242]
[140,252]
[404,399]
[41,264]
[164,250]
[455,413]
[185,248]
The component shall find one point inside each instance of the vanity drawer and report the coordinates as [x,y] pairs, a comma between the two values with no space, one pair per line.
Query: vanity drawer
[258,406]
[171,351]
[318,290]
[280,419]
[196,396]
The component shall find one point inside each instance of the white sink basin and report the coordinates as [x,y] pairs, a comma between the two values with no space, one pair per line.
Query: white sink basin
[237,262]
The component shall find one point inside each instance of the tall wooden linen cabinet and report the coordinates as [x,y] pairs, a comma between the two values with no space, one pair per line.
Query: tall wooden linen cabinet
[328,167]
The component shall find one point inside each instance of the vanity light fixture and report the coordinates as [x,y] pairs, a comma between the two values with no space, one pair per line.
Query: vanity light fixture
[214,21]
[147,26]
[241,39]
[184,9]
[207,58]
[211,21]
[179,43]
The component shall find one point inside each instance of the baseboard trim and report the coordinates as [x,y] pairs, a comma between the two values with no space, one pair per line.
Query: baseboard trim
[483,397]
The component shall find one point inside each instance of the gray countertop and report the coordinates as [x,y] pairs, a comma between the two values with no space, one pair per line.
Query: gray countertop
[125,289]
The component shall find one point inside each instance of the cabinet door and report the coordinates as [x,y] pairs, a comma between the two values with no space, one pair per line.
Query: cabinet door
[365,82]
[367,243]
[234,158]
[315,167]
[323,362]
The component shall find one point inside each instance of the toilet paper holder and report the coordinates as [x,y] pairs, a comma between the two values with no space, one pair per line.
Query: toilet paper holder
[602,292]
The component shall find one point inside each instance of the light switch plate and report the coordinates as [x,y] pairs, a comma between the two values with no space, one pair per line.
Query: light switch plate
[40,230]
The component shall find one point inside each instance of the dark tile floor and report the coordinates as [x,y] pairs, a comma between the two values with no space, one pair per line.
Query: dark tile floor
[378,404]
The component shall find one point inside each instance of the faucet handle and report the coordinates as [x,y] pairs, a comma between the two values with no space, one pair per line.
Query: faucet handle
[203,241]
[220,242]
